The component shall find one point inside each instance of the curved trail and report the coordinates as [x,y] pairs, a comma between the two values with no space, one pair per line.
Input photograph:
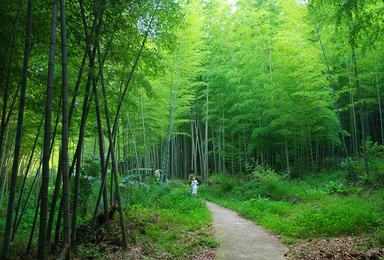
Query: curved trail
[241,238]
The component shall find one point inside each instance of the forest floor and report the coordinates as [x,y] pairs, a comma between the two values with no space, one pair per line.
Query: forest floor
[242,239]
[239,239]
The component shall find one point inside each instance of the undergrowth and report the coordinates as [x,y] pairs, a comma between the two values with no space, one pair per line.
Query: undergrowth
[321,205]
[167,223]
[162,222]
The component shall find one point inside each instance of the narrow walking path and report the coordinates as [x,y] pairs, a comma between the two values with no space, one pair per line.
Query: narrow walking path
[241,238]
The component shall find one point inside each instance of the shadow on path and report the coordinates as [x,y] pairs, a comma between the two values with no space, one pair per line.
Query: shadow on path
[241,238]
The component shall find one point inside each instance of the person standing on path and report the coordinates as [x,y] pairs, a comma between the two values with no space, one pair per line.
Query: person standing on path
[157,177]
[194,185]
[165,178]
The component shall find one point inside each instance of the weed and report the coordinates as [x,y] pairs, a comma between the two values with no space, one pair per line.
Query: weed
[336,187]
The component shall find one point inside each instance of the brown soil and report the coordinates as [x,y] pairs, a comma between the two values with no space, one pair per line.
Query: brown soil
[345,248]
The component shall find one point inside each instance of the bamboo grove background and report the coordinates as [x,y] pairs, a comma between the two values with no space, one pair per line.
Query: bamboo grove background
[121,88]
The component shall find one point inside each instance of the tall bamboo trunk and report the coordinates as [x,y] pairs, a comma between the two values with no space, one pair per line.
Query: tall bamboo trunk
[5,79]
[206,141]
[114,164]
[145,157]
[354,142]
[134,146]
[7,159]
[65,129]
[352,175]
[103,189]
[15,226]
[361,110]
[47,138]
[172,108]
[8,224]
[79,152]
[378,101]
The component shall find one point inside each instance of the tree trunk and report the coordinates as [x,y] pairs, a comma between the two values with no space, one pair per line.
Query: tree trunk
[10,48]
[165,162]
[79,153]
[352,175]
[8,162]
[114,165]
[134,146]
[15,226]
[354,142]
[65,130]
[206,141]
[378,100]
[103,189]
[47,138]
[8,224]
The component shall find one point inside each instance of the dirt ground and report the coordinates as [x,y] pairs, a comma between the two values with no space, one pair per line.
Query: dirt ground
[241,238]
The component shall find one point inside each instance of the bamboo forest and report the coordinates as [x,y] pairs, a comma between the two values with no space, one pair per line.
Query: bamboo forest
[275,105]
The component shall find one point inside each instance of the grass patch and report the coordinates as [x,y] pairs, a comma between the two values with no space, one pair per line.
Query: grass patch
[319,206]
[163,222]
[168,223]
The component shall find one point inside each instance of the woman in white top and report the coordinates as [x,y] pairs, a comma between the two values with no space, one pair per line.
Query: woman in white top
[194,185]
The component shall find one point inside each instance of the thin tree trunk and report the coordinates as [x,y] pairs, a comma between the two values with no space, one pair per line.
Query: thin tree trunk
[47,138]
[8,162]
[310,142]
[337,106]
[378,100]
[285,143]
[363,133]
[34,224]
[134,145]
[354,142]
[145,158]
[29,194]
[193,142]
[165,162]
[7,76]
[206,140]
[15,226]
[103,189]
[114,165]
[65,131]
[8,224]
[88,38]
[79,152]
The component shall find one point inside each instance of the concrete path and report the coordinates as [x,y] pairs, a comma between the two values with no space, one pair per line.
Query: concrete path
[241,238]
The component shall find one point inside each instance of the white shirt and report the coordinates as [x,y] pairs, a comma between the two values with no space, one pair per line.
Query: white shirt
[194,184]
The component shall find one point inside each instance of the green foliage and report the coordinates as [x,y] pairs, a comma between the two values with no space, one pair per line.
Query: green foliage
[321,205]
[89,174]
[89,252]
[348,216]
[170,222]
[376,165]
[167,222]
[378,237]
[335,187]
